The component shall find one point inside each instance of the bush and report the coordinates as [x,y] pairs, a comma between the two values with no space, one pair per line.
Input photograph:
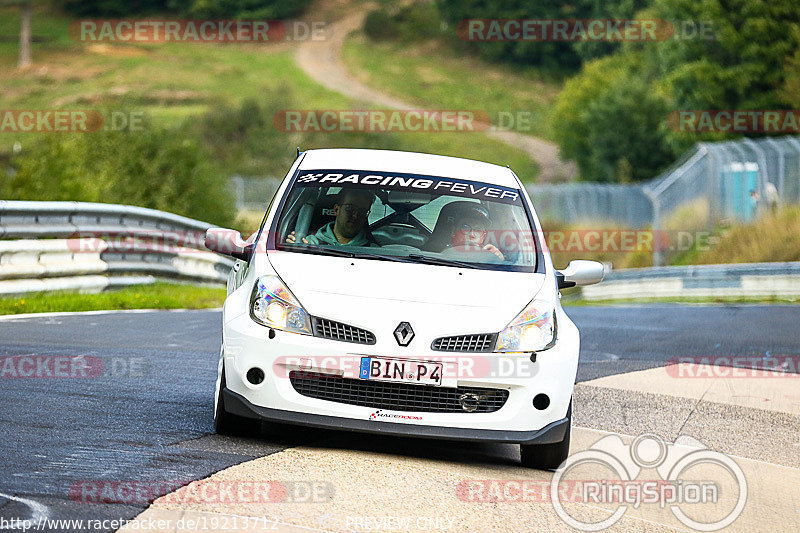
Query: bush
[379,25]
[158,168]
[121,8]
[417,21]
[221,9]
[242,138]
[554,56]
[610,121]
[248,9]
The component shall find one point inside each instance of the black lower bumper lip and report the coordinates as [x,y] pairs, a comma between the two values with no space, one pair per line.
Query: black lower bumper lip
[237,404]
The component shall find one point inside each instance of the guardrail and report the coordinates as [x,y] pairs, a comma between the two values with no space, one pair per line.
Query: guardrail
[85,246]
[732,280]
[47,246]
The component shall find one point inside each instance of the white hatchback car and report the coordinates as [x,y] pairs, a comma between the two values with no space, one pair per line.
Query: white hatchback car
[403,294]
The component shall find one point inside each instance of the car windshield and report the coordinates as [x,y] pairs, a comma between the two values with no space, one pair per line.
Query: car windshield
[407,217]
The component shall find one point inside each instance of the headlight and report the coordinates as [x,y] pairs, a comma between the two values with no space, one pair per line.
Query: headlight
[273,305]
[533,330]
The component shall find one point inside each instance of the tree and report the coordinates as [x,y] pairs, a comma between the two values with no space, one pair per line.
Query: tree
[790,92]
[25,36]
[742,66]
[159,168]
[612,117]
[609,119]
[554,55]
[24,30]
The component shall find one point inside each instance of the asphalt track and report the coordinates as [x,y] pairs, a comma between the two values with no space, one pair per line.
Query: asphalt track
[147,417]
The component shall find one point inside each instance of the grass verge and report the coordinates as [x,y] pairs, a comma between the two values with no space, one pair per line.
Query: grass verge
[774,237]
[431,75]
[175,82]
[156,296]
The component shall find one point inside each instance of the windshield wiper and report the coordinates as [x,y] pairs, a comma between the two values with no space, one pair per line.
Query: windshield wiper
[338,252]
[326,251]
[411,258]
[418,258]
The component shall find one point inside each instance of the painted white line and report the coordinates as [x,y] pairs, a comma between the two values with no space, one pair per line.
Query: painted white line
[39,512]
[101,312]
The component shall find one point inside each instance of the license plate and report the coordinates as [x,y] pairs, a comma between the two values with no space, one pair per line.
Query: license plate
[401,370]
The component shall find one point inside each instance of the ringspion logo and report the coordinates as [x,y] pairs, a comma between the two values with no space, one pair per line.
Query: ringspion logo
[688,476]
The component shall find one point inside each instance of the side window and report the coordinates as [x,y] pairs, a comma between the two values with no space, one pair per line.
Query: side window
[256,236]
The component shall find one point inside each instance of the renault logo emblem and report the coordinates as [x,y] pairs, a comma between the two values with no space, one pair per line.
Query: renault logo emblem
[403,333]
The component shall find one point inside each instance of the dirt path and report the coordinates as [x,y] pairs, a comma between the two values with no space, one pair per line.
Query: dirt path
[322,61]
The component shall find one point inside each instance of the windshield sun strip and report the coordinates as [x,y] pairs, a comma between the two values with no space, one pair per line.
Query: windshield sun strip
[281,208]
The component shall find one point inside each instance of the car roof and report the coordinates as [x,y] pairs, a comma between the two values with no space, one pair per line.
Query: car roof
[407,162]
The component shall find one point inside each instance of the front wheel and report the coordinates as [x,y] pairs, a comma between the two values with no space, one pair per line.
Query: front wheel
[547,456]
[226,423]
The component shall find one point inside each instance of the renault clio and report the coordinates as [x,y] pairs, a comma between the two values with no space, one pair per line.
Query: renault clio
[403,294]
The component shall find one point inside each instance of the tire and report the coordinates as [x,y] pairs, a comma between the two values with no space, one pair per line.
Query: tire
[226,423]
[547,456]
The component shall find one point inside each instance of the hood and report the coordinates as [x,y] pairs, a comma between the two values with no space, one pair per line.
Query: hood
[379,294]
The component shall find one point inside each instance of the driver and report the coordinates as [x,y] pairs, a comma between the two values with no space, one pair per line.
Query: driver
[349,227]
[470,229]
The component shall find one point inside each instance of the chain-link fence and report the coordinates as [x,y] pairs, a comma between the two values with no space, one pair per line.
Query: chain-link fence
[731,180]
[597,203]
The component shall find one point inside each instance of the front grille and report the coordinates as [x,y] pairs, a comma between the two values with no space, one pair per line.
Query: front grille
[395,396]
[465,343]
[341,332]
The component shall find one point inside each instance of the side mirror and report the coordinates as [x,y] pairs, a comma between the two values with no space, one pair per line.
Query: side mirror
[580,273]
[228,242]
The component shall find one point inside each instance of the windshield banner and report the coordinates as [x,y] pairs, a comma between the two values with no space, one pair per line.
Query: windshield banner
[393,181]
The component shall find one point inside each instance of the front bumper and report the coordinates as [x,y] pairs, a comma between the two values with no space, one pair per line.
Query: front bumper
[238,405]
[247,345]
